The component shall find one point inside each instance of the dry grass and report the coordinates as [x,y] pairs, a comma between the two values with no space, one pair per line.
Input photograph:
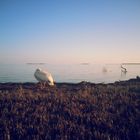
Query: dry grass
[70,111]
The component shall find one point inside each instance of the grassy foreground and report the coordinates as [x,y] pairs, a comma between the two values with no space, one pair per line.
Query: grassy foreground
[70,111]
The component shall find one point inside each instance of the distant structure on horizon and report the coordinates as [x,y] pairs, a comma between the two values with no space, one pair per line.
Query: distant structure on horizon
[85,63]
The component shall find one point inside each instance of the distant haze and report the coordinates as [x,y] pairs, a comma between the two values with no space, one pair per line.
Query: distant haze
[69,31]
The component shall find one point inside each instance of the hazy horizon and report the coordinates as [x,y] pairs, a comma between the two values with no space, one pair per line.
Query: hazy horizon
[72,31]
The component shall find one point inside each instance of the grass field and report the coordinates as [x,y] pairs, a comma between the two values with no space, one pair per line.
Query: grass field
[70,111]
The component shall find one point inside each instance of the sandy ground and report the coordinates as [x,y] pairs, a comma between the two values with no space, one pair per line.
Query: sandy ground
[70,111]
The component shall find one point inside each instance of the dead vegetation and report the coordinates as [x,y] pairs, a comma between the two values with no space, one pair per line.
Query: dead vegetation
[70,111]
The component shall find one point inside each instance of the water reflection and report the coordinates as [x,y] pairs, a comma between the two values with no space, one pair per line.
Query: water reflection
[123,74]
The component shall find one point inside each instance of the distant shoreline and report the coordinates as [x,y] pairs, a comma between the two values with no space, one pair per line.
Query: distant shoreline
[130,63]
[35,63]
[137,79]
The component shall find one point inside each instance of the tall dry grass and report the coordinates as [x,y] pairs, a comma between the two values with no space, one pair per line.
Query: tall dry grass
[70,111]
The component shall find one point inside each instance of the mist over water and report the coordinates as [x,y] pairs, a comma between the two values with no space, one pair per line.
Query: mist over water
[95,73]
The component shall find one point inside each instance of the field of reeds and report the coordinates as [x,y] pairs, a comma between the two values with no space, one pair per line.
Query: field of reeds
[83,111]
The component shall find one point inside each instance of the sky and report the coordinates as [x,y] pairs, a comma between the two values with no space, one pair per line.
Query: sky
[69,31]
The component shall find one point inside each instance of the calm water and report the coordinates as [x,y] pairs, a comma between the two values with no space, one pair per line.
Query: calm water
[68,73]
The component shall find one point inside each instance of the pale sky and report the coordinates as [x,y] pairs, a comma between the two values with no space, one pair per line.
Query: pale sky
[69,31]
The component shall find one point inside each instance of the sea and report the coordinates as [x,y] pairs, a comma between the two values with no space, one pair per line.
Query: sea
[69,73]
